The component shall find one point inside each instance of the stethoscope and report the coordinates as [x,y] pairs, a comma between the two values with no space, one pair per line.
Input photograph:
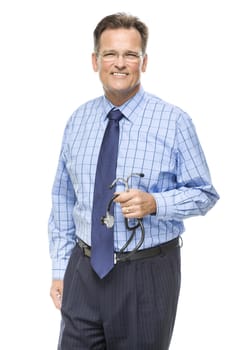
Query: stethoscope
[108,219]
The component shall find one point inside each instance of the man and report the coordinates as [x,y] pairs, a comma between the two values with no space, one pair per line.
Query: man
[161,178]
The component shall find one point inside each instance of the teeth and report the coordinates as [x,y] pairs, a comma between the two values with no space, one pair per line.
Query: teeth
[121,74]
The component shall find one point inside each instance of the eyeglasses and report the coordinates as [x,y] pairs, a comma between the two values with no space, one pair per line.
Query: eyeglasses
[108,219]
[128,56]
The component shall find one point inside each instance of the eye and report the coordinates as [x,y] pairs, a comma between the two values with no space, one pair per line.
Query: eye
[131,55]
[109,55]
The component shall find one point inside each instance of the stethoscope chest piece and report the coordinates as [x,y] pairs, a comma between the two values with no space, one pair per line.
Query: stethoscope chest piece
[108,220]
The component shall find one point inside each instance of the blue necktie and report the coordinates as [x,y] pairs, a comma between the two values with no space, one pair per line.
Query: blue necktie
[102,238]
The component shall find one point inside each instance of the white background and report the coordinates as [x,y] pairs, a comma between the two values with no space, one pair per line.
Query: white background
[45,74]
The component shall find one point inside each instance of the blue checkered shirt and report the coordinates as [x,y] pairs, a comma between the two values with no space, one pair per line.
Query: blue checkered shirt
[157,139]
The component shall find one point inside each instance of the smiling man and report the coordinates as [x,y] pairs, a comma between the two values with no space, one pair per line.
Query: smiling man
[120,71]
[131,169]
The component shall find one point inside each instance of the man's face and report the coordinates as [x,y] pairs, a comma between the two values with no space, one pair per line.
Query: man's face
[120,63]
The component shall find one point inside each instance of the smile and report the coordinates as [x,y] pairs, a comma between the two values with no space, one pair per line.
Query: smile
[120,74]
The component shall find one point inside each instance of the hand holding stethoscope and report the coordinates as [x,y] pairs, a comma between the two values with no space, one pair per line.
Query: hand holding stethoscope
[135,205]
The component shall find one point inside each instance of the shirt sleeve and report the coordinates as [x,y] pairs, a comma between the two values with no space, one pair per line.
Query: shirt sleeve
[194,193]
[61,227]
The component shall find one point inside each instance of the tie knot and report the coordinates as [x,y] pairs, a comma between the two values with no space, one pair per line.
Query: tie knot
[115,115]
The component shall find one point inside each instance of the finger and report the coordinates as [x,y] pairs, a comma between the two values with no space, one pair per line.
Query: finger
[126,211]
[57,299]
[123,197]
[129,212]
[56,296]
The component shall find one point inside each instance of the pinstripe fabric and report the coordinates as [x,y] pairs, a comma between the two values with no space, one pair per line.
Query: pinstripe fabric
[134,307]
[157,139]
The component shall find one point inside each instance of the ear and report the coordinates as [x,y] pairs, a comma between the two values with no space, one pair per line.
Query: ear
[95,62]
[144,63]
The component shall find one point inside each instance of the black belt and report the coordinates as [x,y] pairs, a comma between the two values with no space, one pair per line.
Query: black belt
[161,249]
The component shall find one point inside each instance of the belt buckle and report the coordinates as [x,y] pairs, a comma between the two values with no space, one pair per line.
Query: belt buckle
[81,245]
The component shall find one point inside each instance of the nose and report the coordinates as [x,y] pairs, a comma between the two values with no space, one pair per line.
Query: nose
[120,61]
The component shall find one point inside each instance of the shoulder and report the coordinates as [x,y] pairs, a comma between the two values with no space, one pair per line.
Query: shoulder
[164,106]
[85,111]
[164,110]
[88,107]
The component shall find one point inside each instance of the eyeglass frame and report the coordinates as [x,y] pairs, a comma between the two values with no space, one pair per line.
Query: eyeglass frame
[112,55]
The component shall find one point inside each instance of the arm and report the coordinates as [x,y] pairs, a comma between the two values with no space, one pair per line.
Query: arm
[194,193]
[189,191]
[61,228]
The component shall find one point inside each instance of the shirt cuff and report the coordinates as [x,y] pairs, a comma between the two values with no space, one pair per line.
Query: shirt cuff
[58,269]
[164,205]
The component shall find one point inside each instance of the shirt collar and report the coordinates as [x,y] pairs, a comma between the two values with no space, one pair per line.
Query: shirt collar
[131,108]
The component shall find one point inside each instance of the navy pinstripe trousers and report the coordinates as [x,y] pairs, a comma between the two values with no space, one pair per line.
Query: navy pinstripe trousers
[132,308]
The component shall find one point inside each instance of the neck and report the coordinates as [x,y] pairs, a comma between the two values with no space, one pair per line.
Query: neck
[118,98]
